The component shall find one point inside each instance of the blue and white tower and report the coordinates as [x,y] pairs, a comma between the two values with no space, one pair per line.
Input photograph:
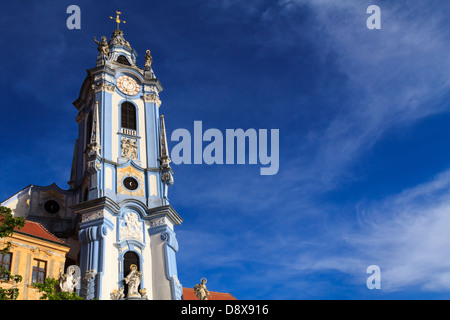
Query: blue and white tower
[120,175]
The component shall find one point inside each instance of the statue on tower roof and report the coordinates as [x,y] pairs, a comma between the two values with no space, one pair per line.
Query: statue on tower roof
[103,47]
[148,60]
[200,290]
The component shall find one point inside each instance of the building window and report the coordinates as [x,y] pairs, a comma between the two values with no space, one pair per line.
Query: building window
[123,60]
[5,263]
[39,271]
[128,114]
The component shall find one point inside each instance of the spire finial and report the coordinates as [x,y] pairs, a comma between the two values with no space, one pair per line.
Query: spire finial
[164,151]
[118,19]
[164,160]
[94,143]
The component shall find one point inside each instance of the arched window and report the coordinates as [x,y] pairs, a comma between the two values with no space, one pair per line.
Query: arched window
[128,114]
[122,60]
[130,258]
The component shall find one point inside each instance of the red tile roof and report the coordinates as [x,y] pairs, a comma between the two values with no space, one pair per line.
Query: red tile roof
[36,229]
[188,294]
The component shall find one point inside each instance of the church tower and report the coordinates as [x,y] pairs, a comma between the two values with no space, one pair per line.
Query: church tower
[120,177]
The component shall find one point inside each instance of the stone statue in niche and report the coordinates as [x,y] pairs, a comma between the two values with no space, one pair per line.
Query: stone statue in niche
[200,290]
[67,282]
[129,148]
[133,280]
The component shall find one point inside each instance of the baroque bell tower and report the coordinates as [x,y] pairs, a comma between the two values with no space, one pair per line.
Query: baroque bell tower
[120,176]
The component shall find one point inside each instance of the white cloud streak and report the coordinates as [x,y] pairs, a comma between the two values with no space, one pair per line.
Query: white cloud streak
[407,235]
[396,76]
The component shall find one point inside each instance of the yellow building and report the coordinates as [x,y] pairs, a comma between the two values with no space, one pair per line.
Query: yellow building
[35,254]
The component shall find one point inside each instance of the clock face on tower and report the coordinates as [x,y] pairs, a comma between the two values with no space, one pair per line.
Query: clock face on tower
[128,85]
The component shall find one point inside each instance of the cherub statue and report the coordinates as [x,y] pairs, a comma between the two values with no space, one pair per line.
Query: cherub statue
[67,283]
[200,290]
[148,60]
[103,47]
[117,294]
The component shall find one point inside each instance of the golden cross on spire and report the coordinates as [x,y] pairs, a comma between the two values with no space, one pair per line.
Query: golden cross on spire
[117,19]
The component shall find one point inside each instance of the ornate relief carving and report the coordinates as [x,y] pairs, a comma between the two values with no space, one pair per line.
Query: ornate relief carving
[96,215]
[150,89]
[165,176]
[118,39]
[129,148]
[104,76]
[131,227]
[38,251]
[153,98]
[103,86]
[92,216]
[157,222]
[91,166]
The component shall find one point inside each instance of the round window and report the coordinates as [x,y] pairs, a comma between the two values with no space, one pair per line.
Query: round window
[130,183]
[51,206]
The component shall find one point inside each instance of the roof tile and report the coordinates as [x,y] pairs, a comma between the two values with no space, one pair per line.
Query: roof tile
[188,294]
[37,230]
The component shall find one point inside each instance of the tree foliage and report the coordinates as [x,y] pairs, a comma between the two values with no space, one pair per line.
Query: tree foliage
[50,289]
[7,225]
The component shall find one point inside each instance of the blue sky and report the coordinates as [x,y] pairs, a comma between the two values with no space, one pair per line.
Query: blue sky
[363,117]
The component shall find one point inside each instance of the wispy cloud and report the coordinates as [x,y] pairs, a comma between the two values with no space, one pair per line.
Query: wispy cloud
[391,78]
[407,236]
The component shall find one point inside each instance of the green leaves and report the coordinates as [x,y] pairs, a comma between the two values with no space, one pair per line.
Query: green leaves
[7,225]
[8,222]
[49,287]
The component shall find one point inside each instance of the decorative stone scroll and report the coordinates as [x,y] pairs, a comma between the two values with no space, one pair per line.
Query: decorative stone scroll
[157,222]
[92,216]
[103,86]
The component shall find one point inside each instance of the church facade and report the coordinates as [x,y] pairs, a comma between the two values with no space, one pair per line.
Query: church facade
[115,216]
